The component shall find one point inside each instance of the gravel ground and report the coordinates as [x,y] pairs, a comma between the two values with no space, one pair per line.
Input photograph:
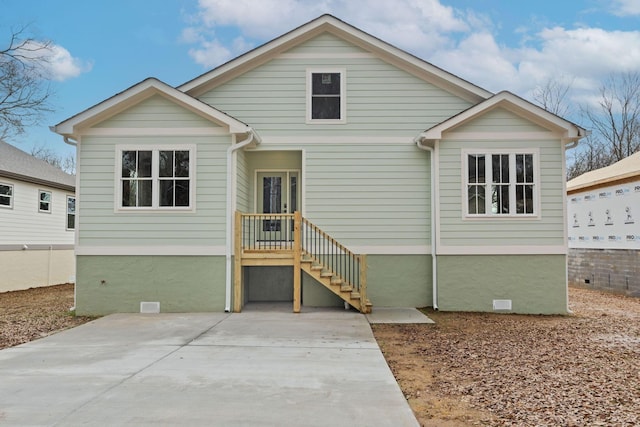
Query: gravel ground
[468,368]
[516,370]
[35,313]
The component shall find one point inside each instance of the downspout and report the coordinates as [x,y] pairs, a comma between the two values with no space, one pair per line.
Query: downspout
[229,238]
[569,146]
[434,264]
[69,141]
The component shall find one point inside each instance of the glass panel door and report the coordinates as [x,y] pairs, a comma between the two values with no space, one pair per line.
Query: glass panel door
[277,193]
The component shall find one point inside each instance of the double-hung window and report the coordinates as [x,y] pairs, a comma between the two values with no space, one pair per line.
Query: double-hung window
[501,183]
[326,96]
[71,212]
[156,178]
[6,195]
[44,201]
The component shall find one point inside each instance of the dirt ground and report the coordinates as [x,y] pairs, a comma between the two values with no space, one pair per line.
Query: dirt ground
[35,313]
[511,370]
[468,368]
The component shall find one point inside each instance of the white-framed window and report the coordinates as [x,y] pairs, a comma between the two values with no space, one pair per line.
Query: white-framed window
[501,183]
[155,178]
[6,195]
[44,201]
[71,212]
[326,95]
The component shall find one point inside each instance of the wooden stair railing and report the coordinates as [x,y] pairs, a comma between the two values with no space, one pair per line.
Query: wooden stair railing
[314,251]
[333,265]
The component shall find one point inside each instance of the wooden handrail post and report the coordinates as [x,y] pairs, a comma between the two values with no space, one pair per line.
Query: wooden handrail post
[363,283]
[297,254]
[237,263]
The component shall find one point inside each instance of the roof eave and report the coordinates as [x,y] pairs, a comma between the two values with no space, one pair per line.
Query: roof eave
[148,87]
[334,25]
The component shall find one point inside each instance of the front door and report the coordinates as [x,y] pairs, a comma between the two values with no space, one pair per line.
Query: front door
[277,193]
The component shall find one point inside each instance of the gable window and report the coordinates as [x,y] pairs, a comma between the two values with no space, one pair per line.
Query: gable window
[326,96]
[159,178]
[6,195]
[44,198]
[501,184]
[71,212]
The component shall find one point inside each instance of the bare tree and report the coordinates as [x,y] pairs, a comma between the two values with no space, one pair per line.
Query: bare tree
[590,155]
[67,164]
[24,88]
[616,120]
[552,95]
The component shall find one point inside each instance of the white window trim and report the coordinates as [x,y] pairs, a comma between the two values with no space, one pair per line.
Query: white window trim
[343,96]
[66,214]
[155,149]
[512,184]
[48,211]
[10,205]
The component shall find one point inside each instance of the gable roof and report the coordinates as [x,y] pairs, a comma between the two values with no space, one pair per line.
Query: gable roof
[339,28]
[139,92]
[623,170]
[16,164]
[515,104]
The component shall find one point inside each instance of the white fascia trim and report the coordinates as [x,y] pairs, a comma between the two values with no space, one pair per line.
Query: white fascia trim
[138,93]
[500,136]
[336,140]
[151,250]
[203,131]
[391,250]
[514,104]
[503,250]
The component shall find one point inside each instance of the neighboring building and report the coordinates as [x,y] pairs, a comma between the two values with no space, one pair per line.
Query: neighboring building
[604,228]
[455,195]
[37,221]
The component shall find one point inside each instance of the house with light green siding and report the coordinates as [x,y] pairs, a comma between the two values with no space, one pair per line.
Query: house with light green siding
[325,167]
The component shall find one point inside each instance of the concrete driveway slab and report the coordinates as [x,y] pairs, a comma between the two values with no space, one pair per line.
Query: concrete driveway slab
[246,369]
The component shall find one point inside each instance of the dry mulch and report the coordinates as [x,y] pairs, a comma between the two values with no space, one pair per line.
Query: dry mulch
[517,370]
[468,368]
[35,313]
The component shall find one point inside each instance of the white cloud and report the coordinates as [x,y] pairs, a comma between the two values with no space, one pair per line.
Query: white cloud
[626,7]
[463,42]
[54,61]
[210,53]
[410,24]
[63,66]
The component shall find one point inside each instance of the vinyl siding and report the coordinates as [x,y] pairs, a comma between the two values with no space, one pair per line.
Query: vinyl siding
[374,195]
[455,230]
[101,226]
[500,120]
[24,224]
[243,195]
[155,112]
[381,99]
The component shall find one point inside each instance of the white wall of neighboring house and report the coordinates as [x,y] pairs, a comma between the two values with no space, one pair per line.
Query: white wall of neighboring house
[36,247]
[605,218]
[603,215]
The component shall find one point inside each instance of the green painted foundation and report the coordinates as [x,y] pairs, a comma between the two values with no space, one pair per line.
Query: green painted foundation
[536,284]
[392,281]
[117,284]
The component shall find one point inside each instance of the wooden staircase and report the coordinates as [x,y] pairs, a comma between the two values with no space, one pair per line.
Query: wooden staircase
[332,281]
[305,247]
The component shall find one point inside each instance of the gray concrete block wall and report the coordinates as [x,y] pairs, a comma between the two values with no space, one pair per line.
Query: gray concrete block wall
[612,270]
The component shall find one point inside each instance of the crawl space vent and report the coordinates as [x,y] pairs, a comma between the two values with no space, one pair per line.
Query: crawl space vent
[149,307]
[501,304]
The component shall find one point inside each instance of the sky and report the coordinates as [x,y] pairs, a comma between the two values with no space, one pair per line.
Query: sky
[101,47]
